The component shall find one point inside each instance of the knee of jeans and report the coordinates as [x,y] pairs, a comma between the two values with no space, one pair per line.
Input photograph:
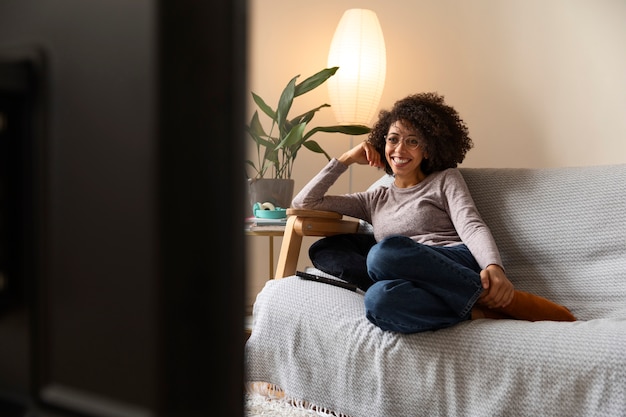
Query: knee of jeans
[370,259]
[377,251]
[377,300]
[382,252]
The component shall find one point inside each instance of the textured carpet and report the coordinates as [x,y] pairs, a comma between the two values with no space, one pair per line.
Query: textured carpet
[264,400]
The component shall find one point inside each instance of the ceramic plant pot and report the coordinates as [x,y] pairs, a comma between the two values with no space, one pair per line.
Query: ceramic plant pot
[278,192]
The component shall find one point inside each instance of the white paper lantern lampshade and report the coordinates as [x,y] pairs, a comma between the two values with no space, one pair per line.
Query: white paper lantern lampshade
[358,49]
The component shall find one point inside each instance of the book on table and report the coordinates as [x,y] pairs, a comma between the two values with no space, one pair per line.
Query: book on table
[257,223]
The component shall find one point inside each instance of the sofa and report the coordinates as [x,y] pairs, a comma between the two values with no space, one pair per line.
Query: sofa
[562,235]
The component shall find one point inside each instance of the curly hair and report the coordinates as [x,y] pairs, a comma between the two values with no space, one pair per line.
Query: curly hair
[443,134]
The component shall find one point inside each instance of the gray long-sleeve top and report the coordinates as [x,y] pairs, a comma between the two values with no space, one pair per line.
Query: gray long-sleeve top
[438,211]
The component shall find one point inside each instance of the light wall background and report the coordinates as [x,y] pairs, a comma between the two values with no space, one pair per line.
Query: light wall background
[540,83]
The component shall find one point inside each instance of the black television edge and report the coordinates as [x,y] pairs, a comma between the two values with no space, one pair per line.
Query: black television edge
[121,129]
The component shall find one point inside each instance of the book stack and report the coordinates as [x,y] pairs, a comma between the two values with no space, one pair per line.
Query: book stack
[262,224]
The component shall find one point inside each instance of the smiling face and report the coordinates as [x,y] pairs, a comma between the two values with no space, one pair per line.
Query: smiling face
[404,154]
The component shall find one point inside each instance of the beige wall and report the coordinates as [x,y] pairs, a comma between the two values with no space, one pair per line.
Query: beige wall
[540,83]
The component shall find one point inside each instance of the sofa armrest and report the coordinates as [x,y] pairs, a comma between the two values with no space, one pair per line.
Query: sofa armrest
[307,223]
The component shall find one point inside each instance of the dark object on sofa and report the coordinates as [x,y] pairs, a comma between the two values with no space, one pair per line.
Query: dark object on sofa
[343,256]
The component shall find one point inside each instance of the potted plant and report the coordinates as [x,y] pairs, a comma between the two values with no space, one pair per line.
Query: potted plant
[277,149]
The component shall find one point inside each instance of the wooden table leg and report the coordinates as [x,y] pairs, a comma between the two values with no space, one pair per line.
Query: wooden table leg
[271,257]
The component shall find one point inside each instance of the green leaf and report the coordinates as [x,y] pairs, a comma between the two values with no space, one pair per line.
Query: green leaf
[264,107]
[315,147]
[249,162]
[315,80]
[266,143]
[284,104]
[293,137]
[255,128]
[308,116]
[345,129]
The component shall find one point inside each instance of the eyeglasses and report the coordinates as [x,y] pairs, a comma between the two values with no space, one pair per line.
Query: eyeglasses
[410,143]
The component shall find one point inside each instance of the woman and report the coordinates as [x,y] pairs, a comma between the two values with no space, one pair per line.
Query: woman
[434,262]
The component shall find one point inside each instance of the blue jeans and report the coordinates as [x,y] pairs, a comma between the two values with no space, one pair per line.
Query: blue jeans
[420,287]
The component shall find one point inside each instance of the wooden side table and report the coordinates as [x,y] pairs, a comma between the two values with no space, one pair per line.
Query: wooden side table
[269,231]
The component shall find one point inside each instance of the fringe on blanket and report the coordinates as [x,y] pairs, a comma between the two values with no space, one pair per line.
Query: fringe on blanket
[274,392]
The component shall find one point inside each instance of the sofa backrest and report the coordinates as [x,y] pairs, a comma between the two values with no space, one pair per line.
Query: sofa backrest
[561,231]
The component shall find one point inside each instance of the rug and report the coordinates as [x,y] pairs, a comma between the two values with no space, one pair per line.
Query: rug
[265,400]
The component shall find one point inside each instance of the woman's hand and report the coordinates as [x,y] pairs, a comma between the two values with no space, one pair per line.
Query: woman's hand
[363,154]
[498,290]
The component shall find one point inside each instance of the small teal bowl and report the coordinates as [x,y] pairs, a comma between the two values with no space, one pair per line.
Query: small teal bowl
[279,213]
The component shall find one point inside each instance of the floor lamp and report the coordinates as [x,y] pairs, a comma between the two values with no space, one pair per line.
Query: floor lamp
[358,49]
